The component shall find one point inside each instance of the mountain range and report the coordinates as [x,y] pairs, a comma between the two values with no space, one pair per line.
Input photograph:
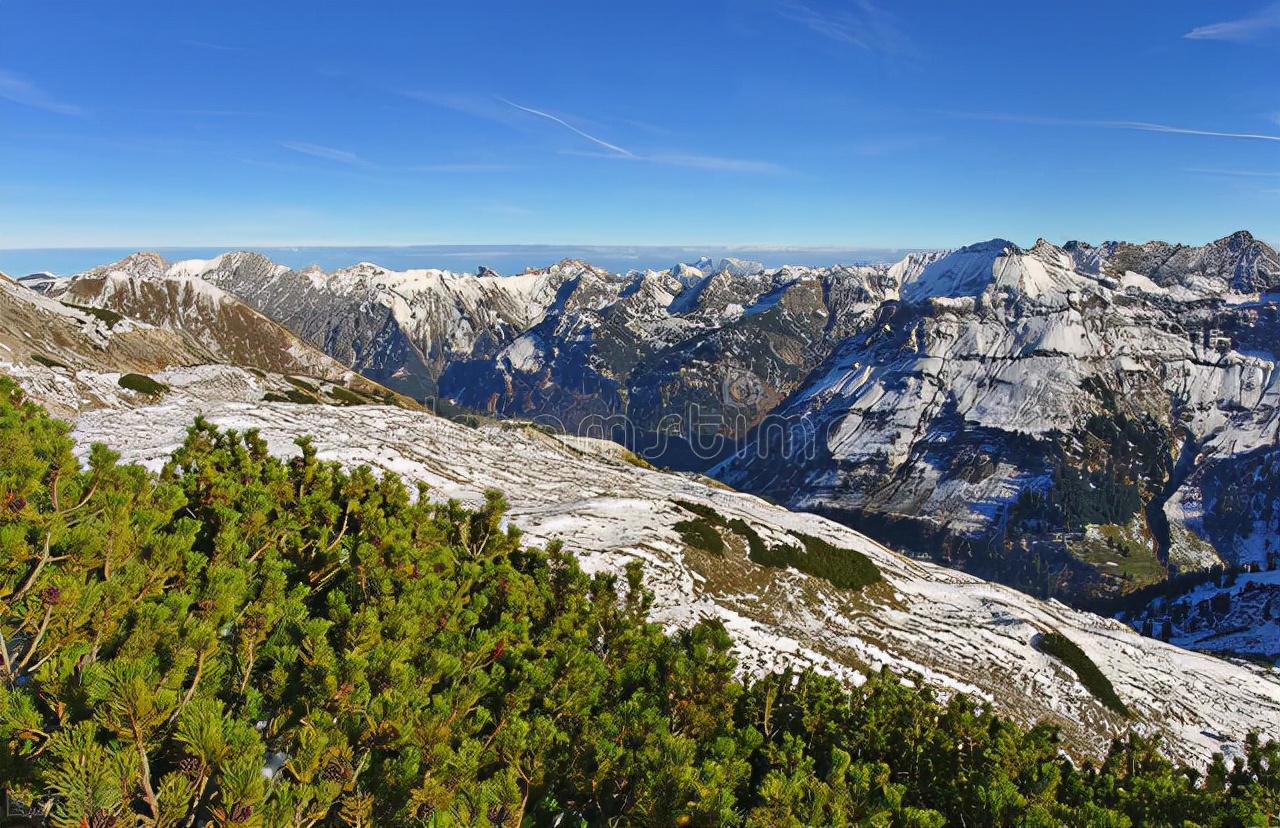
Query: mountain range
[1092,424]
[1078,421]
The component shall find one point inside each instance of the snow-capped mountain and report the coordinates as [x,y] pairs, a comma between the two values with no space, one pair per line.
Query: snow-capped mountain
[173,297]
[1078,421]
[1050,417]
[572,343]
[74,342]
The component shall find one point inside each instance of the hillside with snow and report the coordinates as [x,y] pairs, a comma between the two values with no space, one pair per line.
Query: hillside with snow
[927,623]
[1081,422]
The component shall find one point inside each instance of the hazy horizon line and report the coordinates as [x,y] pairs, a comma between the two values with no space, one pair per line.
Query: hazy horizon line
[500,258]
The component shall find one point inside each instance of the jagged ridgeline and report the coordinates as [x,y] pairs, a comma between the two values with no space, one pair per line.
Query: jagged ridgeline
[1082,422]
[243,640]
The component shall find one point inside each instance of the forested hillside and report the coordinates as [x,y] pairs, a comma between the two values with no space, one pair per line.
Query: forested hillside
[248,641]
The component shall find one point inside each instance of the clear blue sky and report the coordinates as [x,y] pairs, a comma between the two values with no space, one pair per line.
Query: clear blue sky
[861,123]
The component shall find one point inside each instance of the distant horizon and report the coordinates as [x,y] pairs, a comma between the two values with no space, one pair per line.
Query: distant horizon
[506,259]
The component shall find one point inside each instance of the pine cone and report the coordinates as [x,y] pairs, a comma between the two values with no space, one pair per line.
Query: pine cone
[50,596]
[335,771]
[498,814]
[241,813]
[190,767]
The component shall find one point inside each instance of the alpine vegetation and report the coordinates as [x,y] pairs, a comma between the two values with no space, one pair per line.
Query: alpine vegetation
[244,640]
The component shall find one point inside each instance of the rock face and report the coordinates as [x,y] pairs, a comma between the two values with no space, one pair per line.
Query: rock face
[1078,421]
[173,297]
[36,328]
[575,346]
[1049,417]
[73,342]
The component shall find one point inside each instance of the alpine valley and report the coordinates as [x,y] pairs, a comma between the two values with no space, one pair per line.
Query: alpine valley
[1096,430]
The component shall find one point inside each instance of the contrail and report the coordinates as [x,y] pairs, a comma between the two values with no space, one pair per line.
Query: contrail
[591,138]
[1162,128]
[1141,126]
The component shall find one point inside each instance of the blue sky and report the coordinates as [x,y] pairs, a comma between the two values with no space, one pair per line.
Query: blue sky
[851,124]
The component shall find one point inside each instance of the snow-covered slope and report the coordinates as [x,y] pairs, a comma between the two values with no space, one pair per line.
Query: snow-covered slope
[1078,421]
[204,342]
[176,298]
[953,630]
[49,342]
[571,343]
[1011,399]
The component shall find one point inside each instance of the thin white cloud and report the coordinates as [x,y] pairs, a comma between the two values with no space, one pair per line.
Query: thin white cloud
[327,153]
[204,44]
[568,126]
[1236,173]
[701,162]
[14,88]
[476,106]
[860,23]
[463,168]
[1140,126]
[1244,30]
[504,111]
[712,162]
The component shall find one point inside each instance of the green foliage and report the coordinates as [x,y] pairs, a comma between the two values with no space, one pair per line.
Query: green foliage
[248,641]
[1122,554]
[843,568]
[292,395]
[142,384]
[110,317]
[628,457]
[302,384]
[345,396]
[701,534]
[1066,651]
[703,531]
[48,363]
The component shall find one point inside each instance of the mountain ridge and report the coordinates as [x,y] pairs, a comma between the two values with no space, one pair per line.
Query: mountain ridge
[978,397]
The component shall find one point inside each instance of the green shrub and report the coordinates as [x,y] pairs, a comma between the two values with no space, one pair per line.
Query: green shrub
[843,568]
[702,511]
[142,384]
[756,546]
[1066,651]
[110,317]
[291,396]
[699,533]
[636,460]
[413,663]
[303,384]
[49,363]
[300,397]
[345,396]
